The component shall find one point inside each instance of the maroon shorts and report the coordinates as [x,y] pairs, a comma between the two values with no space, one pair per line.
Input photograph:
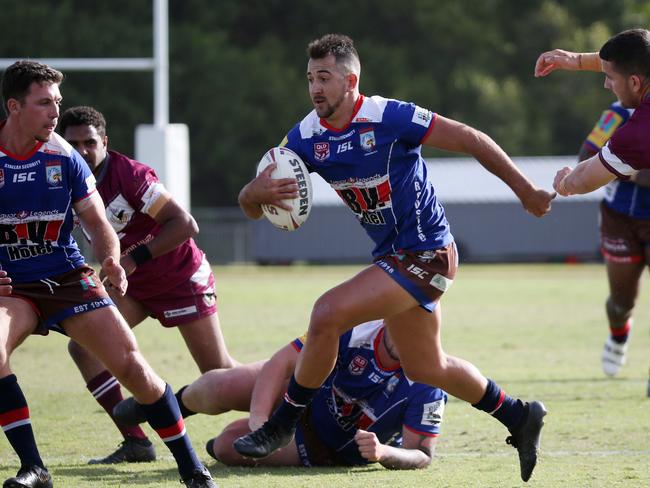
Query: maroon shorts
[62,296]
[623,239]
[187,302]
[311,449]
[426,275]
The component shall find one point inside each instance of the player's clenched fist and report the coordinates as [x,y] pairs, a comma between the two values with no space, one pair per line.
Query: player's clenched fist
[556,59]
[559,181]
[5,284]
[538,202]
[369,446]
[115,274]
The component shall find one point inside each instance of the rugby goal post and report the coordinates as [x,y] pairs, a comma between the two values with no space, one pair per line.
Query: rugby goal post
[163,146]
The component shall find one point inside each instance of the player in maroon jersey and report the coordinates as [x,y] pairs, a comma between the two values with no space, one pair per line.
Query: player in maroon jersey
[625,60]
[169,276]
[43,180]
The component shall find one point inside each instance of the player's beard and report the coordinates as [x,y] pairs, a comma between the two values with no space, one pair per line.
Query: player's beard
[328,110]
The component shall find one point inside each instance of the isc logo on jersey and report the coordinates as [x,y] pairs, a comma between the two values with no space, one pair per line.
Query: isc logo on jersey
[288,165]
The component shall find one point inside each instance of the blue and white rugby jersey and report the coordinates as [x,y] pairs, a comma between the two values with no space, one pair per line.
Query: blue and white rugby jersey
[362,393]
[622,196]
[36,195]
[375,166]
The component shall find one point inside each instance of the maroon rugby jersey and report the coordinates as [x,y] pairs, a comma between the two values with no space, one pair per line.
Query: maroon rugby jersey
[629,148]
[129,189]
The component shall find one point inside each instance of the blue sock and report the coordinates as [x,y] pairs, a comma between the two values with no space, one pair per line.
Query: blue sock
[14,419]
[507,410]
[295,401]
[165,418]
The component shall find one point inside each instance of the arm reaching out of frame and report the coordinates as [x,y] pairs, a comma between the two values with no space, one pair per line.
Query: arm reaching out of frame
[566,60]
[586,177]
[450,135]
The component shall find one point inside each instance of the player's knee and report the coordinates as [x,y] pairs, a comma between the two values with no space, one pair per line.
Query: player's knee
[326,319]
[429,371]
[132,371]
[619,310]
[221,449]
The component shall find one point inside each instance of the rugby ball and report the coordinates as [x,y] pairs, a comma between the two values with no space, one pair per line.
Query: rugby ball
[289,165]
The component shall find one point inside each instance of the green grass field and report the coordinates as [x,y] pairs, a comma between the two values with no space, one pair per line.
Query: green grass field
[537,330]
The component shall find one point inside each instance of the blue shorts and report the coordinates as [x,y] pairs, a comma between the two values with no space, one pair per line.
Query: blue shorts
[426,275]
[56,298]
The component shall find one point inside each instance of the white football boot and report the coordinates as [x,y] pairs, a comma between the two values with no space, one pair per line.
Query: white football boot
[613,357]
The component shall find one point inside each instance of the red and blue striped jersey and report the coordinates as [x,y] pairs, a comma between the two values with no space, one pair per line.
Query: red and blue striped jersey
[375,165]
[363,393]
[37,192]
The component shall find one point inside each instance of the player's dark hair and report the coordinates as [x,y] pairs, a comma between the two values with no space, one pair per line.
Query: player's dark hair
[338,45]
[629,52]
[17,79]
[82,115]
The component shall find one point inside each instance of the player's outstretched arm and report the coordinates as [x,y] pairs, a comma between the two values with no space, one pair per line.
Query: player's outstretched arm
[586,177]
[264,189]
[454,136]
[566,60]
[104,241]
[416,451]
[271,384]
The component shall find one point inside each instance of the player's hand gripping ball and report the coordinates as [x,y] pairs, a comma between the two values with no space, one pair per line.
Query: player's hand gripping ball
[289,165]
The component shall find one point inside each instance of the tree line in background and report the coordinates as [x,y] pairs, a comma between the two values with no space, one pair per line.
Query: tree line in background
[237,67]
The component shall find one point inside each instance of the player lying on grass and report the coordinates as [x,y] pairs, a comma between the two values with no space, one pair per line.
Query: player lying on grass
[368,148]
[367,410]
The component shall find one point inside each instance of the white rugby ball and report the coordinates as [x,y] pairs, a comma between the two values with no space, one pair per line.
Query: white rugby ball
[289,165]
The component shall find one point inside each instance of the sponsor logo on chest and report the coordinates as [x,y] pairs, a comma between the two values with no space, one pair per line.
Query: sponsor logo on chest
[321,151]
[366,198]
[367,140]
[53,174]
[357,365]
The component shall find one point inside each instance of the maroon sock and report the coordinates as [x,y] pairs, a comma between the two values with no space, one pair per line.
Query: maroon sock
[106,390]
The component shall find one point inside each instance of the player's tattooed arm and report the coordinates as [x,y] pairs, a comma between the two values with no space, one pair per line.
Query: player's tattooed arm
[416,451]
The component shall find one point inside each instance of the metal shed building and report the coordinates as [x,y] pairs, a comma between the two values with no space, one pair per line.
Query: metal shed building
[486,220]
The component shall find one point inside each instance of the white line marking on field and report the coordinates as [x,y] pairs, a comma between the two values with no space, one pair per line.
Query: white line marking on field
[543,453]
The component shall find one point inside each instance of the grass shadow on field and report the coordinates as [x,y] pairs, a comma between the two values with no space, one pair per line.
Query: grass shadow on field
[573,380]
[113,476]
[222,472]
